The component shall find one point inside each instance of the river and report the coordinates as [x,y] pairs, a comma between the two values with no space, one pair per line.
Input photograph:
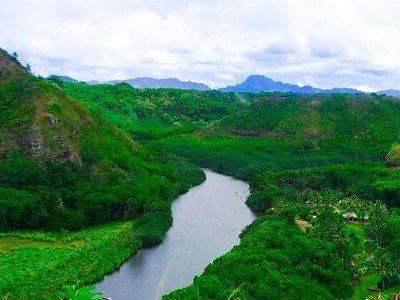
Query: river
[207,222]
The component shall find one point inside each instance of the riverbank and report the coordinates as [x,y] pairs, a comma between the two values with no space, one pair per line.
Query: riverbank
[314,182]
[37,264]
[208,220]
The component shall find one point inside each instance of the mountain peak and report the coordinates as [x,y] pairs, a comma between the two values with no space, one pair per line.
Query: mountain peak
[63,78]
[260,83]
[257,77]
[391,93]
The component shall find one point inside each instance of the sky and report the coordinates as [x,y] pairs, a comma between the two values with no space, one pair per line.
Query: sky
[325,43]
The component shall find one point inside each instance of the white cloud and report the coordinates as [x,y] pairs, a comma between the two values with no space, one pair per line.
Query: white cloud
[325,43]
[364,88]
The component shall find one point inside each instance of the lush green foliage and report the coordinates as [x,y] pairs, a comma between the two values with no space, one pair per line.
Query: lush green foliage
[275,260]
[68,164]
[62,167]
[309,161]
[74,292]
[37,265]
[154,113]
[32,272]
[393,157]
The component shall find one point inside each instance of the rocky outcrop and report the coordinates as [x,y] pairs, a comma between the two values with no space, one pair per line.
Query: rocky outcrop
[34,142]
[393,157]
[9,66]
[68,154]
[54,145]
[51,120]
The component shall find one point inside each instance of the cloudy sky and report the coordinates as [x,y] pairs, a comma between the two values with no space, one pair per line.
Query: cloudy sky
[326,43]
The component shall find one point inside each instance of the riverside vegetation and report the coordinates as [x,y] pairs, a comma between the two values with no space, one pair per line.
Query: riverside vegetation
[310,162]
[63,168]
[88,174]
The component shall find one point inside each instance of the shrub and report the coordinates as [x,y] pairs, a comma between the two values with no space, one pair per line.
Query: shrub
[393,157]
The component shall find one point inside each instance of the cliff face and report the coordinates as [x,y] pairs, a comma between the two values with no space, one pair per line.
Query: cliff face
[34,127]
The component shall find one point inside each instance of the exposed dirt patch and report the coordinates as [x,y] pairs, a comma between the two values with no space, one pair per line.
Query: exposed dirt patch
[303,225]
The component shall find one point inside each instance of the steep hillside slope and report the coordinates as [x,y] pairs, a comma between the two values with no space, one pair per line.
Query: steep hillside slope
[63,167]
[41,122]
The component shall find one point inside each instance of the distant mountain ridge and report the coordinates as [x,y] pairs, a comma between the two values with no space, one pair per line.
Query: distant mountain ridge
[63,78]
[148,82]
[392,93]
[252,84]
[260,83]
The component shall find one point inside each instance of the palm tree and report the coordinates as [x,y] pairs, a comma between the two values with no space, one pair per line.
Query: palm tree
[384,266]
[237,290]
[378,215]
[74,292]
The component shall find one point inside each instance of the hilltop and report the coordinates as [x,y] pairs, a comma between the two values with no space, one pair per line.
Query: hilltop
[62,166]
[317,117]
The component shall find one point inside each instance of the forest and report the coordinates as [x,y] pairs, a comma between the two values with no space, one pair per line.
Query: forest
[323,173]
[83,168]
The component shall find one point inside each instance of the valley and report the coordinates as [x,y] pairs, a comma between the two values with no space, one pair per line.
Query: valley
[88,175]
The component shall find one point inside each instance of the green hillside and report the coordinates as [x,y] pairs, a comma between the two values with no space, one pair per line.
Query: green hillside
[309,160]
[154,113]
[63,167]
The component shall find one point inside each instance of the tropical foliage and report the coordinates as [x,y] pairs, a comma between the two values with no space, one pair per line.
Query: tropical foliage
[91,172]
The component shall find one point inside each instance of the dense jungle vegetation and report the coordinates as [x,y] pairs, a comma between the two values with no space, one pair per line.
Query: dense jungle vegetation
[154,113]
[324,173]
[311,160]
[88,173]
[64,168]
